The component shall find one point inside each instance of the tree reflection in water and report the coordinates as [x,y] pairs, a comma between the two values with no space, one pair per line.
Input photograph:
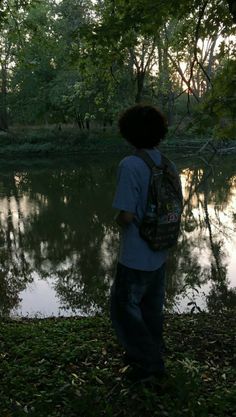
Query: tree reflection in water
[15,266]
[57,221]
[210,201]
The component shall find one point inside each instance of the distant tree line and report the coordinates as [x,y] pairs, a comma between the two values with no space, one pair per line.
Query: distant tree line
[81,61]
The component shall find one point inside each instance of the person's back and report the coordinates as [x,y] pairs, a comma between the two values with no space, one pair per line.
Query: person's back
[131,196]
[137,295]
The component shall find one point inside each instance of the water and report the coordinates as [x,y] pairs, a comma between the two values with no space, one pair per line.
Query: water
[59,241]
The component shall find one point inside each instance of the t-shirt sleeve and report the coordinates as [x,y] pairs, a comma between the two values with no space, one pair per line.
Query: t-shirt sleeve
[127,190]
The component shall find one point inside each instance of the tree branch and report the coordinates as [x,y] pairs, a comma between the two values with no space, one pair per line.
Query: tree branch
[187,82]
[195,60]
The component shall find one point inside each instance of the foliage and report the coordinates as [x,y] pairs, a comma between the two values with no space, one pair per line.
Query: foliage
[220,103]
[84,61]
[59,366]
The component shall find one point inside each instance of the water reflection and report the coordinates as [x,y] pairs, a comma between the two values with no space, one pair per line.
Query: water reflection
[202,257]
[57,226]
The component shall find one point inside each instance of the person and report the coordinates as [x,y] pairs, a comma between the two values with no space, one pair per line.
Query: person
[138,291]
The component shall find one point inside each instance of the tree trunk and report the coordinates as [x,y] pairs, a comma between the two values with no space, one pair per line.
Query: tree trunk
[170,107]
[79,121]
[211,62]
[3,103]
[87,122]
[140,84]
[160,81]
[168,84]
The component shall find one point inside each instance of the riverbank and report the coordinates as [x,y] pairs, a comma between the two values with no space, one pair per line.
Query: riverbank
[52,141]
[69,140]
[73,367]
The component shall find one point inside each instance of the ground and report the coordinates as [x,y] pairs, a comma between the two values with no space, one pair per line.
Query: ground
[73,367]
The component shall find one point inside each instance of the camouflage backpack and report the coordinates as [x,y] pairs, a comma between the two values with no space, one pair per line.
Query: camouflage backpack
[160,225]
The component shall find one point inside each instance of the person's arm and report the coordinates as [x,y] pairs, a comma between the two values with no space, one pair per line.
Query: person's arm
[124,218]
[126,195]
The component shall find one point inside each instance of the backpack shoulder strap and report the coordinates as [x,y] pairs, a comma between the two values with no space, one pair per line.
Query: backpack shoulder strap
[156,175]
[149,161]
[168,164]
[173,175]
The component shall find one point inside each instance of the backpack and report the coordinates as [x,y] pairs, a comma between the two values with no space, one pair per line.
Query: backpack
[160,225]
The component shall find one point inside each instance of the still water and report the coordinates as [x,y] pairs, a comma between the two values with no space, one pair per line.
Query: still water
[59,242]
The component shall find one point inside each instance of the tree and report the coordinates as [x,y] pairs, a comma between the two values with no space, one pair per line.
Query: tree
[220,103]
[12,14]
[83,61]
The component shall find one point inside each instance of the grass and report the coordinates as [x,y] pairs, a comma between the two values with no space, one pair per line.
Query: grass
[40,141]
[73,367]
[50,140]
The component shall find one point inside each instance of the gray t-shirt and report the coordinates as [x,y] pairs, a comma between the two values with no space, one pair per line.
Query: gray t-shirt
[131,195]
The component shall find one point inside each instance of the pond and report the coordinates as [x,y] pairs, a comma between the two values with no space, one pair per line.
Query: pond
[59,242]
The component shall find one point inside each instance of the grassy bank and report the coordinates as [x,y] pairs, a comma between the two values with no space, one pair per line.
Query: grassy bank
[73,367]
[44,141]
[39,141]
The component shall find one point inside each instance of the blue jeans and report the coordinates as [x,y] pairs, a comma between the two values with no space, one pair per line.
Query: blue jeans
[137,299]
